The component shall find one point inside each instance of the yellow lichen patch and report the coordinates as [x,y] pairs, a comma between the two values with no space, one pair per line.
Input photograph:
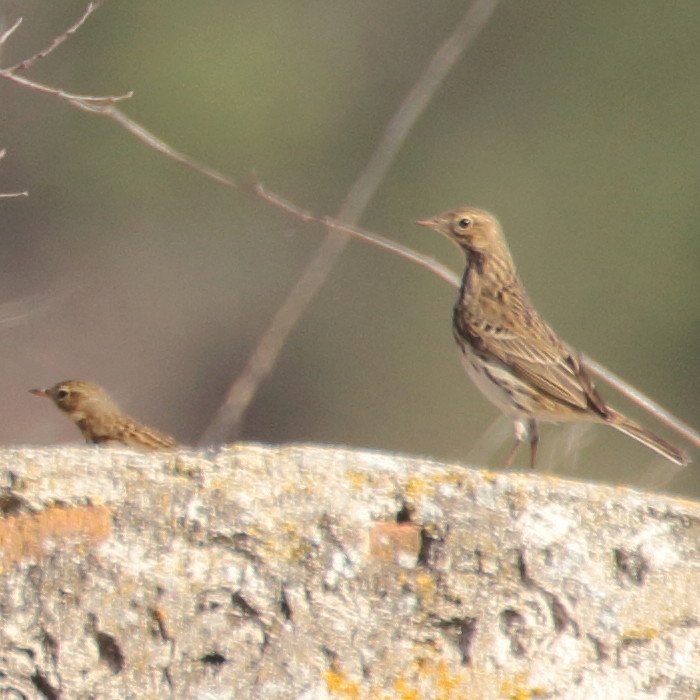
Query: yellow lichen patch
[358,479]
[301,551]
[419,487]
[640,634]
[425,586]
[338,684]
[489,476]
[519,498]
[517,689]
[28,536]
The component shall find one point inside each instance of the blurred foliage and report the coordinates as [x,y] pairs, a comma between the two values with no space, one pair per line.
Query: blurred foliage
[575,122]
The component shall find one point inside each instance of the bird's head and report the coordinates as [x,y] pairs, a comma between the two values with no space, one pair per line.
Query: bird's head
[473,230]
[78,399]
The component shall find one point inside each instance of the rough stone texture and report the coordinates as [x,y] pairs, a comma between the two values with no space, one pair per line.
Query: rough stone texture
[313,573]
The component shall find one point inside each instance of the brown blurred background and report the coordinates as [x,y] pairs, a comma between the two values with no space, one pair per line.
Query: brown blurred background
[577,123]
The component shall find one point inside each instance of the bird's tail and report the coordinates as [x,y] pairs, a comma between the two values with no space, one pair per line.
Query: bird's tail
[636,431]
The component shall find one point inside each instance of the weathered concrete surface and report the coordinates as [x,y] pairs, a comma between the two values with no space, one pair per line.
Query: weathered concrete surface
[313,573]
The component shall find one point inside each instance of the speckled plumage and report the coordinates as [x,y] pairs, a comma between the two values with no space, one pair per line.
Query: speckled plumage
[99,419]
[510,352]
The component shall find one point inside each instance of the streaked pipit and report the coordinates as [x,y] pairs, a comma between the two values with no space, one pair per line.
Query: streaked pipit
[510,352]
[100,420]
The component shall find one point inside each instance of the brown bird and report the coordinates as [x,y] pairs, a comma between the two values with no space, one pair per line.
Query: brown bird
[100,420]
[510,352]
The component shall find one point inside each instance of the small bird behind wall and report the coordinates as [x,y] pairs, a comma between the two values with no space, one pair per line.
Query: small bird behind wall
[99,419]
[509,351]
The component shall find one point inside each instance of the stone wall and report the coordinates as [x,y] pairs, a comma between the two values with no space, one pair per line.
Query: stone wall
[317,573]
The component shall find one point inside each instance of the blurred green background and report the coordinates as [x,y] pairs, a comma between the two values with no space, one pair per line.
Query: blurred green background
[577,123]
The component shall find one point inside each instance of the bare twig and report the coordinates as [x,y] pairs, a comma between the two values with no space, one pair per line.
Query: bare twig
[9,32]
[151,140]
[7,195]
[362,234]
[228,419]
[104,106]
[10,73]
[28,62]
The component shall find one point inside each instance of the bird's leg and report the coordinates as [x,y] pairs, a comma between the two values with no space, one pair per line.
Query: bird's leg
[521,432]
[534,440]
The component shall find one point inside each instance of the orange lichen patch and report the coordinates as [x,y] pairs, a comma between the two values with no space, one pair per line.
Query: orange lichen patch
[27,536]
[395,542]
[446,682]
[158,619]
[433,677]
[339,684]
[429,678]
[405,691]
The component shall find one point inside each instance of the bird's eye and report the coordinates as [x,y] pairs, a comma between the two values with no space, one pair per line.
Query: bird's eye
[61,394]
[464,224]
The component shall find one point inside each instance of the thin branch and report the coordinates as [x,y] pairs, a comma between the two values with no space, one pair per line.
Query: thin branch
[9,32]
[69,96]
[413,105]
[28,62]
[362,234]
[681,427]
[228,419]
[151,140]
[10,73]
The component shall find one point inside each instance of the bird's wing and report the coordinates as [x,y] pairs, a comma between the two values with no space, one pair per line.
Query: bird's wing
[525,343]
[134,434]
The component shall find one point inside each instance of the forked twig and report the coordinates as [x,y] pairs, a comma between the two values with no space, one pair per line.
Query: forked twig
[361,192]
[28,62]
[10,73]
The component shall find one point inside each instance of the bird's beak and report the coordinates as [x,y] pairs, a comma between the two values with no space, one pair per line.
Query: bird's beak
[429,223]
[39,392]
